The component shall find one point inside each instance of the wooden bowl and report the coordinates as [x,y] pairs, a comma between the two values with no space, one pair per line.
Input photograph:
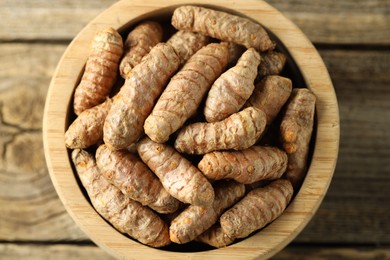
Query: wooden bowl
[307,69]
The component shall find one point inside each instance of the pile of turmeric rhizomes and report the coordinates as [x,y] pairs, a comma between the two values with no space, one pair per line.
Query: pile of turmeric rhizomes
[188,148]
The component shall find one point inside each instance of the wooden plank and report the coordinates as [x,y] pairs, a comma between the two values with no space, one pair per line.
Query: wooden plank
[55,251]
[296,252]
[361,82]
[12,251]
[41,19]
[286,227]
[340,22]
[354,209]
[29,60]
[30,208]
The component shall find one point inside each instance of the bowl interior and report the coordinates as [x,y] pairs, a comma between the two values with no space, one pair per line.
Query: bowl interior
[264,243]
[290,70]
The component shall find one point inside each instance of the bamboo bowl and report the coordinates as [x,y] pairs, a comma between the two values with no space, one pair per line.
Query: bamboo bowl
[304,66]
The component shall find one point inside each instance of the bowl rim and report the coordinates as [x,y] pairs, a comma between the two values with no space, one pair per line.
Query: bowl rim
[263,244]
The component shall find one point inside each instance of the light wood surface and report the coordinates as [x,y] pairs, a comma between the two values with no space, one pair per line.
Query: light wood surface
[81,252]
[263,244]
[324,21]
[351,223]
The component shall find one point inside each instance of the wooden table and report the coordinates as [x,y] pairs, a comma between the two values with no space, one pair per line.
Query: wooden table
[353,38]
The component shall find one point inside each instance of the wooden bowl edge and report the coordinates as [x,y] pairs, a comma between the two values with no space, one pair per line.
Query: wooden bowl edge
[274,237]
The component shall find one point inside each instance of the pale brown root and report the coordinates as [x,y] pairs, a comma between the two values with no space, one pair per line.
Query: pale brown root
[239,131]
[87,129]
[194,220]
[129,174]
[124,123]
[215,237]
[187,44]
[233,88]
[222,26]
[246,166]
[184,93]
[258,208]
[269,95]
[235,52]
[126,215]
[138,43]
[100,72]
[272,63]
[178,176]
[296,129]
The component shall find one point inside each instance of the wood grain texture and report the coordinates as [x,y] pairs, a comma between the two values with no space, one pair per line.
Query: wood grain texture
[353,211]
[31,251]
[340,22]
[355,208]
[282,230]
[29,206]
[347,22]
[362,87]
[40,19]
[297,252]
[361,178]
